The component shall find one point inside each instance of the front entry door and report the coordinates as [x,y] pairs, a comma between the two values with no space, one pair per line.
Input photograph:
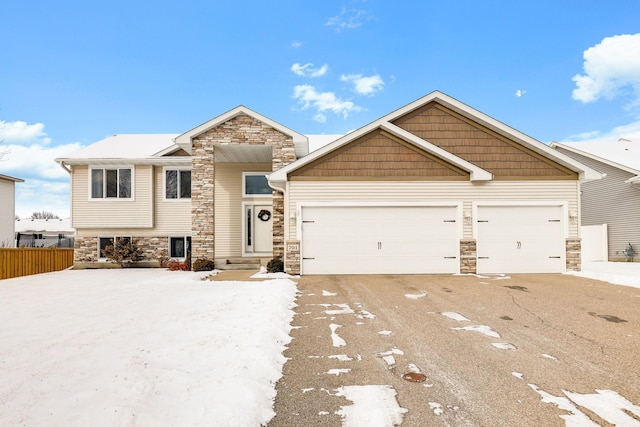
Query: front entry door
[258,228]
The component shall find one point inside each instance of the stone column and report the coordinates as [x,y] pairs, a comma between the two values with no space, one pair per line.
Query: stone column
[468,257]
[202,200]
[573,254]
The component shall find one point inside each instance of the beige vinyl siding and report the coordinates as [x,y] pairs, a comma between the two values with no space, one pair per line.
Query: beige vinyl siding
[103,213]
[610,201]
[7,213]
[228,206]
[172,216]
[433,191]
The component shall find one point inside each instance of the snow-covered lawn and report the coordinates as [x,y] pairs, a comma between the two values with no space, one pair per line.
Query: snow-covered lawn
[619,273]
[144,347]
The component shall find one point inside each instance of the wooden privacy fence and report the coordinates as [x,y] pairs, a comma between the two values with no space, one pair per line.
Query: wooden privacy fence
[27,261]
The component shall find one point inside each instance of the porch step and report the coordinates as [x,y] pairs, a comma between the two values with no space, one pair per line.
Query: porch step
[237,264]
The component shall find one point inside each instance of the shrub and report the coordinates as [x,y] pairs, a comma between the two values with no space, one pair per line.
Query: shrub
[161,256]
[275,266]
[123,251]
[174,265]
[203,264]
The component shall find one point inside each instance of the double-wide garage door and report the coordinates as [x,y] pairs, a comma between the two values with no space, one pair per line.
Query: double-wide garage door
[379,240]
[426,239]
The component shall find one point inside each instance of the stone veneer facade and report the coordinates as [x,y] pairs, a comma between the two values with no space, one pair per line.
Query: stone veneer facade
[86,248]
[573,257]
[468,257]
[241,129]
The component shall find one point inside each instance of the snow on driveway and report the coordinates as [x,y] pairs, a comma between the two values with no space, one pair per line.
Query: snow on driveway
[144,347]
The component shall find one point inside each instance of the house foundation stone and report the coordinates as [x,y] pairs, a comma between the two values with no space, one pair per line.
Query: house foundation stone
[468,257]
[573,254]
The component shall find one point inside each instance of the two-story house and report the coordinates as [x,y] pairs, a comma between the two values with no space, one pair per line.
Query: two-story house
[433,187]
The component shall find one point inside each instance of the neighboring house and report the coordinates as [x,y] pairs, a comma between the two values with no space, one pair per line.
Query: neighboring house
[44,233]
[7,210]
[615,199]
[434,187]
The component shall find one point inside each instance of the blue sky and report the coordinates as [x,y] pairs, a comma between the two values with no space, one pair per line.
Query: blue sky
[74,72]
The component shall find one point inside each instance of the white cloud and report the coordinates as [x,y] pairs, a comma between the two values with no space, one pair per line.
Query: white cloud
[296,45]
[19,132]
[364,85]
[36,160]
[520,93]
[609,67]
[349,19]
[628,131]
[322,102]
[30,156]
[307,70]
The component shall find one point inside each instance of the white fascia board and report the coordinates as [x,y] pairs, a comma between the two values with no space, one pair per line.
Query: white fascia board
[184,140]
[596,158]
[156,161]
[476,173]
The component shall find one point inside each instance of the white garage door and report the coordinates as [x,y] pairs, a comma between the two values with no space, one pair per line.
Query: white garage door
[379,240]
[520,239]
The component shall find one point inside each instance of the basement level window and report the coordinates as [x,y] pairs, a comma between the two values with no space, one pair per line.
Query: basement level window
[255,184]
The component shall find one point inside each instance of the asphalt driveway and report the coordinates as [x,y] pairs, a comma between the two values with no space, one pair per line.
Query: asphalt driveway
[499,350]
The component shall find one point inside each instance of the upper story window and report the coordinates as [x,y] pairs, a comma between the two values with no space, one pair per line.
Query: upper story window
[177,184]
[111,183]
[255,184]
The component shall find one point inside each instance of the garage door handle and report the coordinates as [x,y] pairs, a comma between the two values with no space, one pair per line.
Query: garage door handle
[449,220]
[308,222]
[554,220]
[483,257]
[483,220]
[519,244]
[450,257]
[307,258]
[555,257]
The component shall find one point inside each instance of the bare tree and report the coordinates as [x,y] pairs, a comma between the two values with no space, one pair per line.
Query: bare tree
[44,215]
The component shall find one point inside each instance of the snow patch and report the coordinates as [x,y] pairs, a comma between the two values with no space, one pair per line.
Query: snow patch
[338,371]
[503,345]
[344,309]
[328,294]
[436,407]
[390,360]
[483,329]
[364,314]
[518,375]
[341,357]
[335,338]
[455,316]
[548,356]
[606,404]
[416,296]
[263,274]
[373,406]
[385,332]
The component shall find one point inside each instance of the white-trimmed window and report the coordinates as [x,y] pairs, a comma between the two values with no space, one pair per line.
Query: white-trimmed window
[179,247]
[103,242]
[254,184]
[177,183]
[111,183]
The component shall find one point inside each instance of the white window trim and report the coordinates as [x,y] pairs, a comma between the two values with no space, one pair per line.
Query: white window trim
[103,259]
[244,185]
[164,184]
[111,199]
[184,238]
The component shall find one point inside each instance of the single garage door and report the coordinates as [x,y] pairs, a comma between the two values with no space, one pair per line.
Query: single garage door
[520,239]
[379,240]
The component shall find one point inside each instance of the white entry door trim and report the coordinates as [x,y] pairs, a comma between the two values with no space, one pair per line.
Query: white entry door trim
[257,233]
